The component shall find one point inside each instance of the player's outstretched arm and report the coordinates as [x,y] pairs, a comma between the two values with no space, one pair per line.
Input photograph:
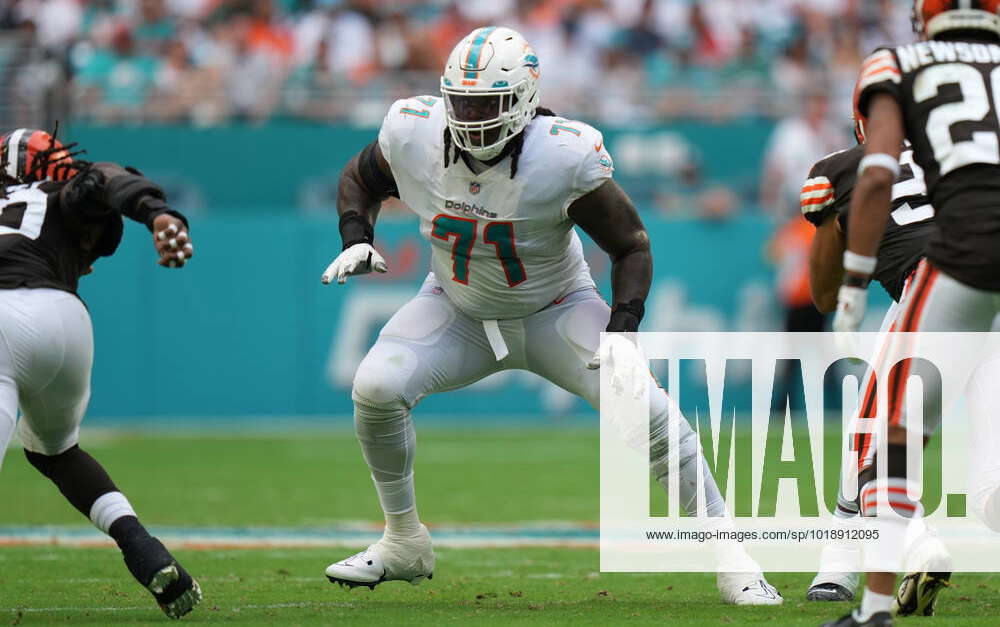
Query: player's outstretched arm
[826,269]
[608,216]
[108,187]
[871,203]
[365,182]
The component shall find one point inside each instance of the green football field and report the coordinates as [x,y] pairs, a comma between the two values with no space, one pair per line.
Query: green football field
[317,480]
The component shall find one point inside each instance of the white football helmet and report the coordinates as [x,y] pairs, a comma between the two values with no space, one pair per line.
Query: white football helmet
[490,89]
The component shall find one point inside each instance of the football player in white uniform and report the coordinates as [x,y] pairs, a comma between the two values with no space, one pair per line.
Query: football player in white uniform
[498,184]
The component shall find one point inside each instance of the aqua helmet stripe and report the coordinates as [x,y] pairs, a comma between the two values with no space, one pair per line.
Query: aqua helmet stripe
[475,51]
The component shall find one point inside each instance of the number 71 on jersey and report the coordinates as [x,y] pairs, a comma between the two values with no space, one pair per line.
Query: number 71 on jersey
[462,232]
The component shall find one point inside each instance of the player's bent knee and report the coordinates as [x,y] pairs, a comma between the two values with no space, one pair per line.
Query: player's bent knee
[383,377]
[49,442]
[378,388]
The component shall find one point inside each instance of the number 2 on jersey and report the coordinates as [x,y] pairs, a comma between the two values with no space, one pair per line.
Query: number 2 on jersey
[910,185]
[499,234]
[984,145]
[23,213]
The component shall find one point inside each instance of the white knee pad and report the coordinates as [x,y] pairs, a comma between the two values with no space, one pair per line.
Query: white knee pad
[381,379]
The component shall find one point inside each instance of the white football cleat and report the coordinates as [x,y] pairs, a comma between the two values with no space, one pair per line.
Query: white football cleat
[390,559]
[747,589]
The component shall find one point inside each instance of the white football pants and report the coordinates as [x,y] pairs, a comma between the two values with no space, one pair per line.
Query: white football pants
[936,302]
[46,352]
[430,346]
[863,443]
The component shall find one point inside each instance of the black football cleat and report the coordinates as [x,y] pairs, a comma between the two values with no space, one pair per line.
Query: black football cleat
[878,619]
[829,592]
[918,593]
[152,565]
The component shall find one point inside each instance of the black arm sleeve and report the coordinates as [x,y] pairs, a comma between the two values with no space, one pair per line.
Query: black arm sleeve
[134,196]
[101,194]
[107,187]
[374,179]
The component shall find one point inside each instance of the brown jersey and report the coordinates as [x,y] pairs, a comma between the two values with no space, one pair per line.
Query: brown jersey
[47,242]
[948,92]
[827,192]
[51,232]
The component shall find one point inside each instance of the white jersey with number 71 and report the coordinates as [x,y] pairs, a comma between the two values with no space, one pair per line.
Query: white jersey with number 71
[502,247]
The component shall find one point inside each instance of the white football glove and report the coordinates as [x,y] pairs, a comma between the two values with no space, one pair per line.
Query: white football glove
[621,355]
[850,308]
[626,345]
[595,361]
[358,259]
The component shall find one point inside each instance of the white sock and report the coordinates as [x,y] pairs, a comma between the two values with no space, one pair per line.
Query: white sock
[398,500]
[396,497]
[894,533]
[403,525]
[731,557]
[108,508]
[871,603]
[689,461]
[841,556]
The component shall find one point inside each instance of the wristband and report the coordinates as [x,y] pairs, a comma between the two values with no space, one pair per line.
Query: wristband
[626,316]
[879,160]
[861,264]
[355,229]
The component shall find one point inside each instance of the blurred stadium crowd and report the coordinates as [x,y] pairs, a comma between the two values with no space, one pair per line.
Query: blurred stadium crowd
[212,61]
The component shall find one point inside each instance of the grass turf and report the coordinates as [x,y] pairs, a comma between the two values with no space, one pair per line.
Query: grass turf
[496,586]
[320,478]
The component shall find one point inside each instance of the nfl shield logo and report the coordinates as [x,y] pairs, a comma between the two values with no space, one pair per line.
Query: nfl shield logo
[474,187]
